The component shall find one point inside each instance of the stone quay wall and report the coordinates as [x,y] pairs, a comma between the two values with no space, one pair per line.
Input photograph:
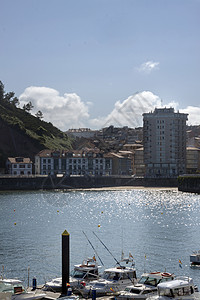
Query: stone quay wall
[80,182]
[189,183]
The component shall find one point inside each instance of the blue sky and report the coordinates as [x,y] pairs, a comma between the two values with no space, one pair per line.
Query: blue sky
[90,63]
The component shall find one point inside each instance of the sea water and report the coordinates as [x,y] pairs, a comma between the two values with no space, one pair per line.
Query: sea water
[160,228]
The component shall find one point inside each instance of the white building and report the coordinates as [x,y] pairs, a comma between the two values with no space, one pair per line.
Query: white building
[82,133]
[19,166]
[49,162]
[164,139]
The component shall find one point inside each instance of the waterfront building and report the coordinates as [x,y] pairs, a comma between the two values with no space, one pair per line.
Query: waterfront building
[139,167]
[164,140]
[19,166]
[82,162]
[121,163]
[74,162]
[192,160]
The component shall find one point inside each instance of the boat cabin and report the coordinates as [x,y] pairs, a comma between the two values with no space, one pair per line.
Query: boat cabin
[154,278]
[180,287]
[119,274]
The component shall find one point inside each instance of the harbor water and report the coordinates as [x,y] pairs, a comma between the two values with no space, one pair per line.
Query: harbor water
[160,228]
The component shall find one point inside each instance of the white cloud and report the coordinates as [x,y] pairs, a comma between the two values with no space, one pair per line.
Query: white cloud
[62,111]
[129,112]
[148,66]
[69,111]
[193,114]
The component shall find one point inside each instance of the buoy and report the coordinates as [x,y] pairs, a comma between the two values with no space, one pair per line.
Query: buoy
[14,209]
[57,210]
[15,223]
[102,212]
[99,225]
[161,213]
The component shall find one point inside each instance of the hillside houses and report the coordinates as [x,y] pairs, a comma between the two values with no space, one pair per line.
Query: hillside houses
[115,153]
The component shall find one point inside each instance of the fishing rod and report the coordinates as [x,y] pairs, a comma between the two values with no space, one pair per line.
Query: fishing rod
[132,281]
[93,248]
[107,249]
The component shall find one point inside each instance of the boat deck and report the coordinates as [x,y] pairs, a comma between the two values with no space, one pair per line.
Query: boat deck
[53,296]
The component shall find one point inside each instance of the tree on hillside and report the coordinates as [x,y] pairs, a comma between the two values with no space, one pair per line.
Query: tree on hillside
[1,90]
[15,101]
[28,107]
[8,97]
[39,115]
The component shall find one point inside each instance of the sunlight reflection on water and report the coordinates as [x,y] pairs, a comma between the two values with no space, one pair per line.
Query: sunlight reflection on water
[162,225]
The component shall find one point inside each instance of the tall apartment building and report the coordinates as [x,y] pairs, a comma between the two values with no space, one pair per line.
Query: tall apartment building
[164,138]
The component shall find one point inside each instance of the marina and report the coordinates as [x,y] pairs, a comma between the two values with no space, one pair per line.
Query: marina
[159,227]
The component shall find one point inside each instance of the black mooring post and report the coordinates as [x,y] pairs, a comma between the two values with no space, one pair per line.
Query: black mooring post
[65,261]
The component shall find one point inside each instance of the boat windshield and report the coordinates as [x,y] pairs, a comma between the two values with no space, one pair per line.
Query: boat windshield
[78,274]
[177,292]
[92,274]
[149,280]
[133,290]
[111,275]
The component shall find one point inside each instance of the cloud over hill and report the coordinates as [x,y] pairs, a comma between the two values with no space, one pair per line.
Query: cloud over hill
[69,111]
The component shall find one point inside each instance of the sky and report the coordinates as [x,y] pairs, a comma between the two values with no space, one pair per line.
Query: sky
[95,63]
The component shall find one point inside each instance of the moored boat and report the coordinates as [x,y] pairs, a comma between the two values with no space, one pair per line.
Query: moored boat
[146,286]
[13,289]
[87,271]
[195,259]
[112,280]
[181,288]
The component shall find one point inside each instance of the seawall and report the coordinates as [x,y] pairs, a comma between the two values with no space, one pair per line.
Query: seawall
[189,183]
[77,182]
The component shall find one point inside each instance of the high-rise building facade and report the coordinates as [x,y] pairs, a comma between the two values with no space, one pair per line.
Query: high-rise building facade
[164,138]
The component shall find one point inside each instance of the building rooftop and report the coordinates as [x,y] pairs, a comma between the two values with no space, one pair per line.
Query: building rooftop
[14,160]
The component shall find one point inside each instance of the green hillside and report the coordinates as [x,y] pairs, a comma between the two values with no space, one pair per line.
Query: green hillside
[22,134]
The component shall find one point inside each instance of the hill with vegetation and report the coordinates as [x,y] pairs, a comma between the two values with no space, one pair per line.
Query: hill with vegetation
[22,134]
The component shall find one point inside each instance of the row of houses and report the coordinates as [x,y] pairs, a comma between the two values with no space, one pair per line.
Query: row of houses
[83,162]
[92,162]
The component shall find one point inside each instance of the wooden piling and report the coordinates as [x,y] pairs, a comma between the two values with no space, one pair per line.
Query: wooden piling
[65,262]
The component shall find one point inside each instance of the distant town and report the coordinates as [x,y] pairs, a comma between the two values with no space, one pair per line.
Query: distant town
[164,147]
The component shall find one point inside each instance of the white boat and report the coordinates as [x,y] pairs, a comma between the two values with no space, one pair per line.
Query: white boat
[195,259]
[181,288]
[112,280]
[146,286]
[87,271]
[71,297]
[13,289]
